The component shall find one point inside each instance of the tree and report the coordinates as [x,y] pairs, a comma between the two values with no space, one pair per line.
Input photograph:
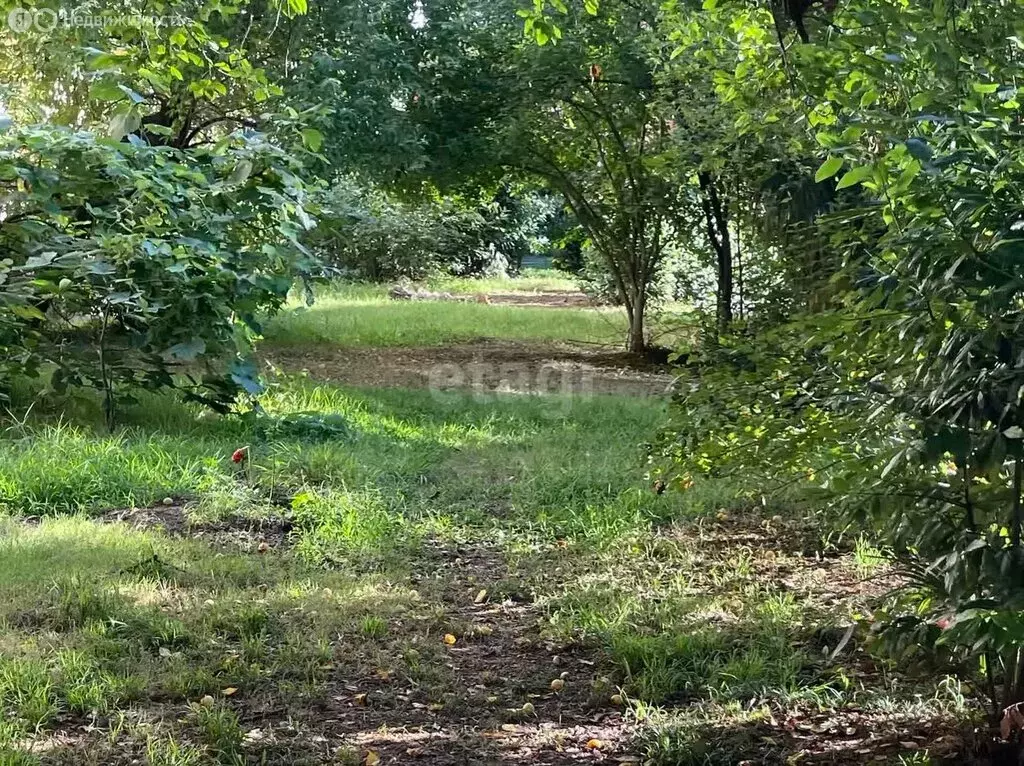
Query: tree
[482,103]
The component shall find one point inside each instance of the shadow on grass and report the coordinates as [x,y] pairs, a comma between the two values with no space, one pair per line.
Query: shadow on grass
[98,616]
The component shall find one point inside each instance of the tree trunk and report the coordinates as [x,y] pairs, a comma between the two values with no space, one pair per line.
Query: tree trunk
[637,343]
[725,285]
[716,219]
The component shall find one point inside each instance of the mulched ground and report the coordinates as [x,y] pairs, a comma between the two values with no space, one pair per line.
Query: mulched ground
[483,366]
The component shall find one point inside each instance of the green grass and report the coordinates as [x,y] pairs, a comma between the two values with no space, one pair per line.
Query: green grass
[553,465]
[95,618]
[364,316]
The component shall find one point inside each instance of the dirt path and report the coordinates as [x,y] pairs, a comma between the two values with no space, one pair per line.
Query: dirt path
[485,366]
[544,299]
[467,678]
[507,694]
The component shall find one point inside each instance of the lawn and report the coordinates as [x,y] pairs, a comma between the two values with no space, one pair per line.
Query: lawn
[414,576]
[364,316]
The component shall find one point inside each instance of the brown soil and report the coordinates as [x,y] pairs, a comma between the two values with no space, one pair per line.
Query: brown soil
[499,663]
[485,366]
[238,532]
[546,300]
[374,708]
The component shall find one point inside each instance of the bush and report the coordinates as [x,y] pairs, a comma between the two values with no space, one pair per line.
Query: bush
[367,233]
[127,263]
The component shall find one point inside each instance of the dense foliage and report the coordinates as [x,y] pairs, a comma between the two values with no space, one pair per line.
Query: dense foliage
[157,211]
[369,233]
[895,396]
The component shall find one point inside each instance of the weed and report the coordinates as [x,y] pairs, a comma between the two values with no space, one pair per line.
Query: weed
[169,752]
[374,627]
[867,557]
[26,688]
[219,729]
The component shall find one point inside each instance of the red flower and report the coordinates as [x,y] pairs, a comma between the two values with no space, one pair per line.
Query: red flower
[239,454]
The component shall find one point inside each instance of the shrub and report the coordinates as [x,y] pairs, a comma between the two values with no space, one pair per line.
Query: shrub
[127,263]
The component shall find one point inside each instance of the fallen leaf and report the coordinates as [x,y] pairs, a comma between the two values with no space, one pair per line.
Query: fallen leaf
[481,597]
[594,744]
[449,639]
[372,758]
[360,699]
[229,691]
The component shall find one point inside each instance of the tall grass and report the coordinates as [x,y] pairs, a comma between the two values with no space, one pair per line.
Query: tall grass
[553,466]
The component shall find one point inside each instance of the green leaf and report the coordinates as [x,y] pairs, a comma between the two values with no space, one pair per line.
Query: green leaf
[856,176]
[590,6]
[870,96]
[828,168]
[313,139]
[104,90]
[985,87]
[123,123]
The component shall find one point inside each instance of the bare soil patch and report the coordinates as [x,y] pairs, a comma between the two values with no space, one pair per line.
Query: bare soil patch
[490,697]
[484,366]
[553,300]
[238,532]
[417,697]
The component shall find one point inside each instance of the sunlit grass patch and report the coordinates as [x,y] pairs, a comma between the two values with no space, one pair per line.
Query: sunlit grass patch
[66,468]
[362,315]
